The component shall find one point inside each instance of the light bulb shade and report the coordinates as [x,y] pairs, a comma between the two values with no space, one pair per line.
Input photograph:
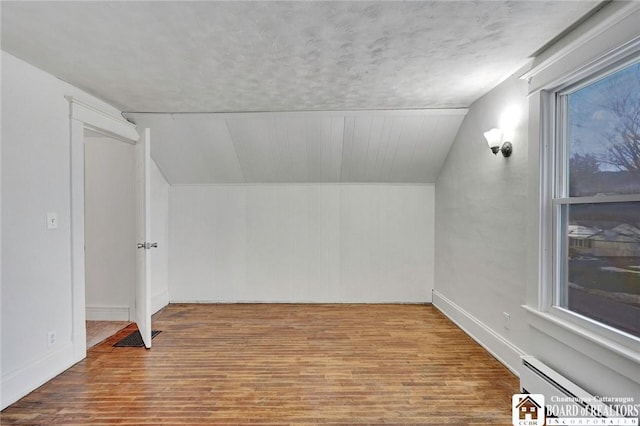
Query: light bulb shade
[493,137]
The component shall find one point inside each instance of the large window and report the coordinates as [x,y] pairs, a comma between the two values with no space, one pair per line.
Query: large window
[596,199]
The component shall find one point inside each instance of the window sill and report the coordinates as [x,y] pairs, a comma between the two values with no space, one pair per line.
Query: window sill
[613,355]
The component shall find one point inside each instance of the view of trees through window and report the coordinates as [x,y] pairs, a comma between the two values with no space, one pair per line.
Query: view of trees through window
[602,245]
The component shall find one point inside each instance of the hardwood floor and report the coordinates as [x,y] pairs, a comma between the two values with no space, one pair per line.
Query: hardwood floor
[282,364]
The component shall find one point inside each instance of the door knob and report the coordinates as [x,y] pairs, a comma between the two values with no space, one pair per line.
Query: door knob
[147,246]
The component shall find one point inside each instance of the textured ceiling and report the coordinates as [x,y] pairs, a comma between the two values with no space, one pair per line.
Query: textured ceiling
[326,58]
[283,56]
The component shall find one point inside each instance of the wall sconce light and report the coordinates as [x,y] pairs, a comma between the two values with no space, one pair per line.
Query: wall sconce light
[494,139]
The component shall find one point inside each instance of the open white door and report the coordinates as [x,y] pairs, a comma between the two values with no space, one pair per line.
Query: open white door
[143,231]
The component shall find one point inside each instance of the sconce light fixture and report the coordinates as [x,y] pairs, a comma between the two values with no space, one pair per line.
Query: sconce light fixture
[494,139]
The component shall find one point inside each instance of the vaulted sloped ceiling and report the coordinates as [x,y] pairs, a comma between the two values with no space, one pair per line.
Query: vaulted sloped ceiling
[391,146]
[189,61]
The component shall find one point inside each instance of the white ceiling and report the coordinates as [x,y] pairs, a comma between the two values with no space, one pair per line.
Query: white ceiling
[243,56]
[216,57]
[402,146]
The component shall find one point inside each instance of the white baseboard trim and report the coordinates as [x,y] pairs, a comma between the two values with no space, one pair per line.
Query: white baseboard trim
[159,301]
[108,313]
[503,350]
[300,301]
[19,383]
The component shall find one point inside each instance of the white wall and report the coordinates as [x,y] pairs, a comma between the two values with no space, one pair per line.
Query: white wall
[160,235]
[110,225]
[301,243]
[487,246]
[36,262]
[481,222]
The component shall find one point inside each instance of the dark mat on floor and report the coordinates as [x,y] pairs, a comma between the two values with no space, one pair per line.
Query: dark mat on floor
[134,340]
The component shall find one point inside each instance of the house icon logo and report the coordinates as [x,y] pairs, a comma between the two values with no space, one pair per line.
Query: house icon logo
[528,409]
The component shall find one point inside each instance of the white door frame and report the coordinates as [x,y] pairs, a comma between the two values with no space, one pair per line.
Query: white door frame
[84,116]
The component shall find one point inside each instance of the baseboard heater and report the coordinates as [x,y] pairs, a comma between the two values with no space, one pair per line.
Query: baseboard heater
[538,378]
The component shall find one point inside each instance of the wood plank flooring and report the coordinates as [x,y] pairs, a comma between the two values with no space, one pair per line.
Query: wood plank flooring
[282,364]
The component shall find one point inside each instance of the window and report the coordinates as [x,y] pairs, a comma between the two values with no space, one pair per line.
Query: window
[596,199]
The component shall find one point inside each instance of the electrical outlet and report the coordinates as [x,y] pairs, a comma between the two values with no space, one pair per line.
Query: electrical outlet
[51,338]
[507,317]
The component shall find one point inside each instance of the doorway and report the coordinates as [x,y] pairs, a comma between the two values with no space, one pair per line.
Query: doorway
[105,121]
[110,225]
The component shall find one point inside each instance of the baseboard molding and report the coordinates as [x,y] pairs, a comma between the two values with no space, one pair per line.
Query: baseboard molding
[503,350]
[108,313]
[293,302]
[19,383]
[159,301]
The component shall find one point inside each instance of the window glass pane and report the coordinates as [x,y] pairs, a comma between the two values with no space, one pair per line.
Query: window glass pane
[603,135]
[603,263]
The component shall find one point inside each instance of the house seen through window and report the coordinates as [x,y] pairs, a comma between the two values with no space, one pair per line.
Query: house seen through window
[596,203]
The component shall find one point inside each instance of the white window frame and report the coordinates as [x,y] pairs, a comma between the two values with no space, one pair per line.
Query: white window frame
[556,194]
[610,37]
